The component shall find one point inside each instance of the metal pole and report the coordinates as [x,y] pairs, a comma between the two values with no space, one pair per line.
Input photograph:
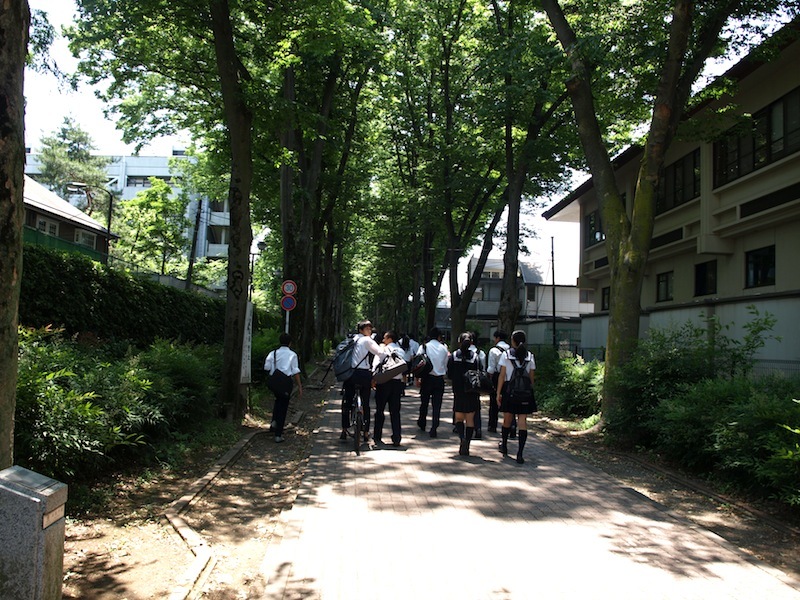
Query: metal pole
[553,272]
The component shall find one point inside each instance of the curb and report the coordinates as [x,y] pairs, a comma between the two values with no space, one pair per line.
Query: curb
[204,559]
[204,556]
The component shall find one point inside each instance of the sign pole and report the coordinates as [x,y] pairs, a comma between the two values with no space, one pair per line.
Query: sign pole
[288,302]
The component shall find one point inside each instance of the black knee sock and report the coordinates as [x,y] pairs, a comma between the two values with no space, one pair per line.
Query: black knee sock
[460,429]
[504,444]
[523,437]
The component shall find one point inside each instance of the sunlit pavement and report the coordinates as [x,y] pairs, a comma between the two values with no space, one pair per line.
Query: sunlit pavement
[419,521]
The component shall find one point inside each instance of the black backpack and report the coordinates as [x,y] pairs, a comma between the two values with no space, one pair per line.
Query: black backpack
[520,388]
[342,368]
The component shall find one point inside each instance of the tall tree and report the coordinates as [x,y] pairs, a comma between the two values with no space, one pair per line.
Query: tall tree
[239,121]
[152,228]
[666,46]
[14,21]
[66,156]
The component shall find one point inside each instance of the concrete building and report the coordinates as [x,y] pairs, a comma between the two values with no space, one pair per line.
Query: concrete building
[727,226]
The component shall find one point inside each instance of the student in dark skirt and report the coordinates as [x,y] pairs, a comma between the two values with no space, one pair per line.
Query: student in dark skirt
[465,402]
[517,356]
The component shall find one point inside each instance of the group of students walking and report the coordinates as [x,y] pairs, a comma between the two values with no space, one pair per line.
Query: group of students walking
[504,363]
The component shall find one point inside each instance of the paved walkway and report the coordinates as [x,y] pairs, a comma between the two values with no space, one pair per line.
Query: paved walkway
[420,522]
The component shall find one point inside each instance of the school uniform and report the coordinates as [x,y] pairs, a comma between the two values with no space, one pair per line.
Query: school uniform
[432,388]
[388,393]
[285,360]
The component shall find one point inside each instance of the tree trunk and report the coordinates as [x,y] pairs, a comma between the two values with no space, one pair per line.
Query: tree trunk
[628,237]
[238,118]
[14,22]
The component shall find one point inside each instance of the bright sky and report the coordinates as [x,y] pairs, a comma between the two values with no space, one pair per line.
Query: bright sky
[47,105]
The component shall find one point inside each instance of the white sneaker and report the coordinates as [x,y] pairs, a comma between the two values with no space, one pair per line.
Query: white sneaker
[278,439]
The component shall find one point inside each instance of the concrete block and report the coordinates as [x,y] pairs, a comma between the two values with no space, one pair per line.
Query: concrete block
[31,535]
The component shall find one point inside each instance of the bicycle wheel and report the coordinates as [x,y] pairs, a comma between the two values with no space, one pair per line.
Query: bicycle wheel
[358,429]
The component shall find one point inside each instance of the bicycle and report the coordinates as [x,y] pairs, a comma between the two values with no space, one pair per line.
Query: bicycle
[357,420]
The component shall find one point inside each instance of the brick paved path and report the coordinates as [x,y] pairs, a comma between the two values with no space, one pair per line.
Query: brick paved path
[420,522]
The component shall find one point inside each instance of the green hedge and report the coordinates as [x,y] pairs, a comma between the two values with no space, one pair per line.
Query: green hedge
[72,292]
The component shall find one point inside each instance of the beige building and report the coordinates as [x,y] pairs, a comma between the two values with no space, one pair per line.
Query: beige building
[727,228]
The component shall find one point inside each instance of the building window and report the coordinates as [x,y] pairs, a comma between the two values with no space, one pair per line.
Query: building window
[586,296]
[605,298]
[680,183]
[760,267]
[774,132]
[592,229]
[705,278]
[664,286]
[85,238]
[47,226]
[531,293]
[218,206]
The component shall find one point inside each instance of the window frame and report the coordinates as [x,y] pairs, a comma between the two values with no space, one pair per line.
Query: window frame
[705,278]
[755,261]
[665,286]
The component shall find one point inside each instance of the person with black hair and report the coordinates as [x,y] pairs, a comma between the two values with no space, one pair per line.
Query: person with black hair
[465,401]
[283,366]
[361,379]
[515,362]
[389,392]
[431,386]
[492,368]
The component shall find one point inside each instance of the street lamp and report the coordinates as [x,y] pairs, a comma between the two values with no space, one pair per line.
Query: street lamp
[77,186]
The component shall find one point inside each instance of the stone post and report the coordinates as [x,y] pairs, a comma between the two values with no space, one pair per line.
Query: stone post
[31,535]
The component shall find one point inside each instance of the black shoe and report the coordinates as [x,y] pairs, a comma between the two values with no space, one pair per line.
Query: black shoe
[492,429]
[520,460]
[462,448]
[343,435]
[377,440]
[478,436]
[503,448]
[395,441]
[421,424]
[433,433]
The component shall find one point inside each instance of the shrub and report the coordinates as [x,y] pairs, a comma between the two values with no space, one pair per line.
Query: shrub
[264,342]
[72,292]
[756,437]
[572,388]
[685,424]
[667,362]
[80,408]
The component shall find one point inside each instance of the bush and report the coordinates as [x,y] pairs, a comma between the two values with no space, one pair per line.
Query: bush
[685,424]
[573,388]
[264,342]
[757,437]
[79,408]
[72,292]
[667,362]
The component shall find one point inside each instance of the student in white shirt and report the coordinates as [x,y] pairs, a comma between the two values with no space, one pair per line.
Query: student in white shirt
[361,378]
[432,385]
[283,367]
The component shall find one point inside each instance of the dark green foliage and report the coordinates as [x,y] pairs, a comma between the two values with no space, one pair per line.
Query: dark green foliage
[739,429]
[668,362]
[82,296]
[569,387]
[80,408]
[684,424]
[665,363]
